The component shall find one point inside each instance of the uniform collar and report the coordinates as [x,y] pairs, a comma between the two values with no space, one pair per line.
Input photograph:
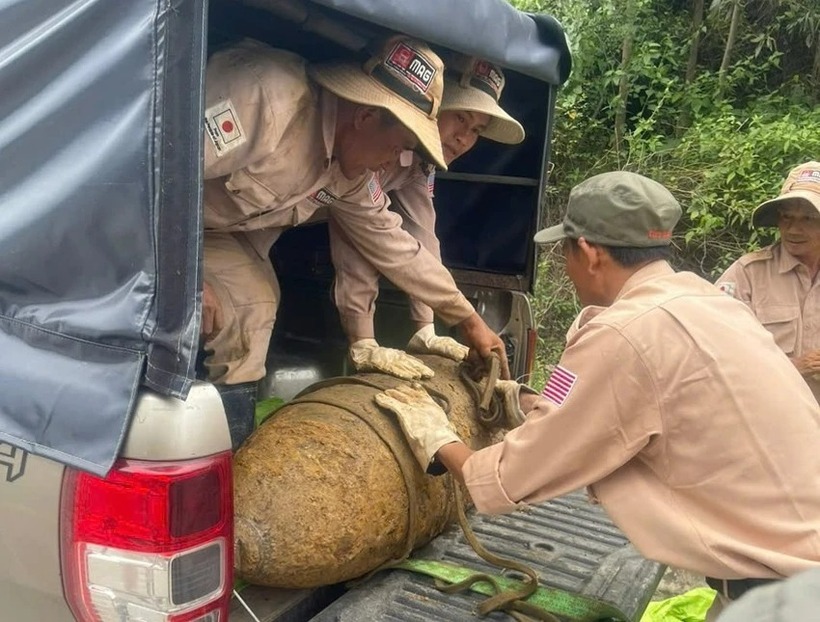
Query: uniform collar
[786,262]
[329,108]
[647,273]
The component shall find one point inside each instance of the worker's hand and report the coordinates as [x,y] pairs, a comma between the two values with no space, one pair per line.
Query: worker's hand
[212,320]
[423,422]
[510,393]
[425,341]
[808,364]
[484,342]
[368,355]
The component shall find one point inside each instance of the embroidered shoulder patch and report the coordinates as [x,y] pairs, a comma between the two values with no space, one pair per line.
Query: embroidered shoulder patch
[223,127]
[431,184]
[375,189]
[559,385]
[728,288]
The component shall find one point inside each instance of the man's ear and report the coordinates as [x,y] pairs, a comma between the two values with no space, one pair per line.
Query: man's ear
[366,115]
[592,253]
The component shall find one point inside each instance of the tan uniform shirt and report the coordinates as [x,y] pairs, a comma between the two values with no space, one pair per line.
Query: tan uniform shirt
[357,281]
[780,292]
[269,165]
[685,421]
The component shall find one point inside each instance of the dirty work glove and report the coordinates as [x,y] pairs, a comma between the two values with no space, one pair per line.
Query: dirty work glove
[368,355]
[425,341]
[423,422]
[510,393]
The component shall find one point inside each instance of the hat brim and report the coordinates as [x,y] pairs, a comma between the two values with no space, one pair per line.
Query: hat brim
[765,215]
[550,235]
[348,81]
[502,128]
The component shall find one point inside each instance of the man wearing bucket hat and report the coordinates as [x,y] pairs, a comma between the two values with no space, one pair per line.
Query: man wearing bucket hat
[655,407]
[283,139]
[779,282]
[469,109]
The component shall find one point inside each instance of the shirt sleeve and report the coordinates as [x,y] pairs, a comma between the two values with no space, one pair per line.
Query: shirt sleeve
[244,117]
[414,203]
[356,285]
[377,234]
[736,283]
[603,409]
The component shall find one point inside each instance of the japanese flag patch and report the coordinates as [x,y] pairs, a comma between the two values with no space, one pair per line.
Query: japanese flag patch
[223,127]
[559,385]
[728,288]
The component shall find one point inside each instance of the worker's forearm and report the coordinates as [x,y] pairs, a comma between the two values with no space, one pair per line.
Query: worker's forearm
[453,456]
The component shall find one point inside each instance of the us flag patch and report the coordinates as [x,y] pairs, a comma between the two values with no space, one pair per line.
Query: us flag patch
[431,184]
[559,385]
[375,189]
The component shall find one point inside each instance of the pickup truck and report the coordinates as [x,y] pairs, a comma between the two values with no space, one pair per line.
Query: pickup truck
[115,462]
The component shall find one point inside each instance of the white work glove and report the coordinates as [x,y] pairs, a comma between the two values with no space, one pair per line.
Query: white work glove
[368,355]
[423,422]
[425,341]
[510,393]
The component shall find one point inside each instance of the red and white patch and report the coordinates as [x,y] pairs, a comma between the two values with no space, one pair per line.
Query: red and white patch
[323,197]
[223,127]
[375,189]
[411,65]
[728,288]
[559,385]
[431,184]
[489,75]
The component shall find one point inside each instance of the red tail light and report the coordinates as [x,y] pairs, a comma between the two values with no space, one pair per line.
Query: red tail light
[151,541]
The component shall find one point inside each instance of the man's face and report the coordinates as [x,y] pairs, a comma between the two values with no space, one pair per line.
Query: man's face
[459,131]
[374,144]
[576,271]
[800,231]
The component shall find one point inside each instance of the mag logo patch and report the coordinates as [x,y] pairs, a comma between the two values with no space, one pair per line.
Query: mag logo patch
[489,75]
[323,197]
[411,65]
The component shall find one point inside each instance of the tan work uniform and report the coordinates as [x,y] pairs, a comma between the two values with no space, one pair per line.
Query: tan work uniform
[780,292]
[357,280]
[685,421]
[269,165]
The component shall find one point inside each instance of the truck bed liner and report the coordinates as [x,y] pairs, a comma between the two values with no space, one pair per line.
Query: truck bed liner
[569,542]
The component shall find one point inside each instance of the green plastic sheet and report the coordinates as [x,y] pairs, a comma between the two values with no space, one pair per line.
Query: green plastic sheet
[690,606]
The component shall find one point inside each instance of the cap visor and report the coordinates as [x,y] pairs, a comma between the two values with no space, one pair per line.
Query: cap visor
[550,235]
[351,83]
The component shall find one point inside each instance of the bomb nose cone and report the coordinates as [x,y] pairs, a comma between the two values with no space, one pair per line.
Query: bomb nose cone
[250,547]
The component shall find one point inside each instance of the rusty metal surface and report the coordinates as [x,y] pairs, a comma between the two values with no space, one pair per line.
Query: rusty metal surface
[321,488]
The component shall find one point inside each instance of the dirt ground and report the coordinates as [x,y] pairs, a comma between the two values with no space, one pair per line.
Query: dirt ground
[676,581]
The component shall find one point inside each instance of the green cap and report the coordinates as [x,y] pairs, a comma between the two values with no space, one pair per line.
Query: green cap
[617,209]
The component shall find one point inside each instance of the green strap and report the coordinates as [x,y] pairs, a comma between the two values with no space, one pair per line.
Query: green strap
[572,607]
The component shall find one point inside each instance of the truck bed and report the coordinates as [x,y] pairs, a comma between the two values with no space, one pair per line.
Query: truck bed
[570,543]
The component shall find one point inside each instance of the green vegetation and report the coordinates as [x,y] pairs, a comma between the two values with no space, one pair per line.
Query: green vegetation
[717,102]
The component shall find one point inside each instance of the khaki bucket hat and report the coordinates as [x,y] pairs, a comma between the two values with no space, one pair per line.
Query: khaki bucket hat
[404,76]
[620,209]
[801,189]
[476,85]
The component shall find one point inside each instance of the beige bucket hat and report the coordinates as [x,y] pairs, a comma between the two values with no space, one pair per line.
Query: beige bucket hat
[802,188]
[404,76]
[476,85]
